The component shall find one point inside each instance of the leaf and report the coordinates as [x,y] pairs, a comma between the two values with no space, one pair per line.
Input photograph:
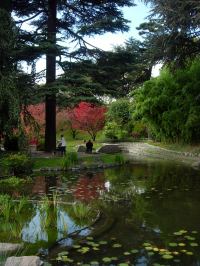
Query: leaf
[134,251]
[190,253]
[193,244]
[117,245]
[173,244]
[63,253]
[106,259]
[167,257]
[127,253]
[103,242]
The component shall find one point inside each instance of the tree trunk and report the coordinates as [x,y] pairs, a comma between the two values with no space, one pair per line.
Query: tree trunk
[50,107]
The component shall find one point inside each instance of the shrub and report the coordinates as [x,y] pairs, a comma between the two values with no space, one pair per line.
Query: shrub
[19,163]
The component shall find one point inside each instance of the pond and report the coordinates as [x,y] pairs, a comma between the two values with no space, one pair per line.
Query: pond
[142,214]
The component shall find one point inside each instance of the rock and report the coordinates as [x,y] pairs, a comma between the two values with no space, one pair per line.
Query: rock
[196,165]
[23,261]
[81,148]
[8,247]
[109,148]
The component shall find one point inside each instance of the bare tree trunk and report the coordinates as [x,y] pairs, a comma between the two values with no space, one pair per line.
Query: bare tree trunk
[50,107]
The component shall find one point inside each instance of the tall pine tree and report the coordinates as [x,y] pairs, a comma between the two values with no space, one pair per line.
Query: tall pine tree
[55,20]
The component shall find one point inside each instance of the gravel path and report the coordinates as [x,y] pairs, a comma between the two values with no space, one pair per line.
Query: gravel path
[141,150]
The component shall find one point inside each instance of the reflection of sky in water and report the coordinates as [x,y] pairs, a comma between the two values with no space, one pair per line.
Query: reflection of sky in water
[33,231]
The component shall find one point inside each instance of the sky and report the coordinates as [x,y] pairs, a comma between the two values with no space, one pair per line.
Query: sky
[136,14]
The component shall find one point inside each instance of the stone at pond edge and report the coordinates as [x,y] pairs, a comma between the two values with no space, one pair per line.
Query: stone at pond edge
[196,165]
[24,261]
[6,247]
[109,148]
[81,148]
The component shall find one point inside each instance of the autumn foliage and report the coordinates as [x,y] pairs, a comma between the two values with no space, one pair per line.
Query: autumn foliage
[88,117]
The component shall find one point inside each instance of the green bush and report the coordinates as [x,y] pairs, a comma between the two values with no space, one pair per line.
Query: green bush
[19,164]
[170,105]
[70,159]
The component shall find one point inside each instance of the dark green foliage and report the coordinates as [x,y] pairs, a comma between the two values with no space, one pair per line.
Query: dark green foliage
[170,104]
[173,31]
[19,164]
[118,120]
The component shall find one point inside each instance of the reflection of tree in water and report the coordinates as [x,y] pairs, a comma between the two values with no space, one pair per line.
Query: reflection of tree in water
[89,187]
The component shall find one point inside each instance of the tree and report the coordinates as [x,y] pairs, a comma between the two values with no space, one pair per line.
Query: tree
[170,104]
[88,117]
[76,19]
[118,119]
[111,73]
[173,30]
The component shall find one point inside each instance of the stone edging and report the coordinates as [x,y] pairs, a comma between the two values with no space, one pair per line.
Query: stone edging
[80,167]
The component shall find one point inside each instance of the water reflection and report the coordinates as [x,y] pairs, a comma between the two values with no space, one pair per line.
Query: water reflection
[138,204]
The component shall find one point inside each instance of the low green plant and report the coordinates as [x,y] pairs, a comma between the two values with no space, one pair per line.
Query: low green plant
[14,181]
[8,207]
[81,213]
[70,159]
[19,163]
[119,158]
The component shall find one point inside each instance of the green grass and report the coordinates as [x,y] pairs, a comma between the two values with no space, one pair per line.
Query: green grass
[56,162]
[47,162]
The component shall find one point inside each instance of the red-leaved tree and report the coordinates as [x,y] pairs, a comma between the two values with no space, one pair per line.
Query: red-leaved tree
[88,117]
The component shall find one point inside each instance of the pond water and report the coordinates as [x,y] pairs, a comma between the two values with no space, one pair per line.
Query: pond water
[143,214]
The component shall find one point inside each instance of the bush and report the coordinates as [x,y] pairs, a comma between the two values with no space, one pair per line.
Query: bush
[170,106]
[70,159]
[19,164]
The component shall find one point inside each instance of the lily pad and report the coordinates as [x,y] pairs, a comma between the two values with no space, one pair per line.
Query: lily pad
[94,263]
[106,259]
[127,253]
[190,253]
[134,251]
[194,244]
[191,238]
[146,244]
[89,238]
[172,244]
[63,253]
[167,257]
[194,232]
[103,242]
[150,253]
[76,246]
[117,245]
[148,248]
[181,244]
[95,248]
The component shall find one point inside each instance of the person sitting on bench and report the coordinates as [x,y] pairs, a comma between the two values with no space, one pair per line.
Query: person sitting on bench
[89,146]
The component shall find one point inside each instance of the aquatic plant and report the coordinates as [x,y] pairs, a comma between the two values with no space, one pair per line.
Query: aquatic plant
[119,158]
[81,213]
[70,159]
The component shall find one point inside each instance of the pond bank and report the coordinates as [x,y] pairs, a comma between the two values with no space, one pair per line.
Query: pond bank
[142,151]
